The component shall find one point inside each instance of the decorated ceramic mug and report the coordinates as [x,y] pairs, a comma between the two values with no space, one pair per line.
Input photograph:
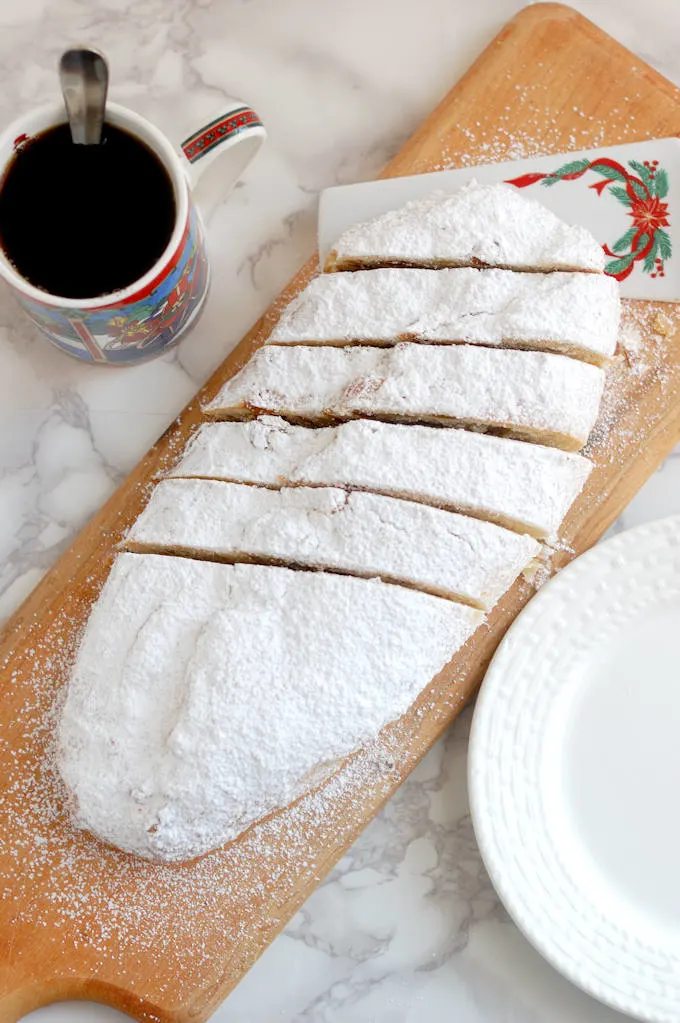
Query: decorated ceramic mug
[149,316]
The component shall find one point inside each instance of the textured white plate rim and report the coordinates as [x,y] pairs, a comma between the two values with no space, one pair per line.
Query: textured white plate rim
[618,556]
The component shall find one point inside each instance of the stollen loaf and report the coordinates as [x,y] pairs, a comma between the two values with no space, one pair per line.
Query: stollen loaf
[176,735]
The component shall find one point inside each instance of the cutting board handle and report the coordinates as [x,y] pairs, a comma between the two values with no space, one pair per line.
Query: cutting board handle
[30,995]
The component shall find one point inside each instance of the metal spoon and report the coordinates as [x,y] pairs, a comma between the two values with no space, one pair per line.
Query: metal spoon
[84,77]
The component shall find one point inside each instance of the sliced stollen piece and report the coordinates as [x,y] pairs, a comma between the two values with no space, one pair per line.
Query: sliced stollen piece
[526,487]
[479,225]
[574,313]
[357,533]
[205,696]
[535,396]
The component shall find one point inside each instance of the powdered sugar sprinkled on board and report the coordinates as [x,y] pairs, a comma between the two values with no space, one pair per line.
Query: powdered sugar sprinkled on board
[95,897]
[530,127]
[643,358]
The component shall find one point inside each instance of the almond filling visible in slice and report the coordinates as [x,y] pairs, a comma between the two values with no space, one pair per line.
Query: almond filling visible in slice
[536,396]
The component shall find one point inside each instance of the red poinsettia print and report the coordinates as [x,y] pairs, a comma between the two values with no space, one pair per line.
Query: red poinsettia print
[640,187]
[649,214]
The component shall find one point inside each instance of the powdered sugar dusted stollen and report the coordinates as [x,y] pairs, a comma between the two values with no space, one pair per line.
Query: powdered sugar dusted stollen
[479,225]
[524,486]
[204,696]
[574,313]
[362,534]
[533,395]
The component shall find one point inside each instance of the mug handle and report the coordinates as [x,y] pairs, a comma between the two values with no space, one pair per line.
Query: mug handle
[217,154]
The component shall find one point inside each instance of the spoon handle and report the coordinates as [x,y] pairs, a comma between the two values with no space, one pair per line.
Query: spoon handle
[84,77]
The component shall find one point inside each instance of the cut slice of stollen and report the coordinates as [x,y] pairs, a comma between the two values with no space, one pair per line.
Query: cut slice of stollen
[479,225]
[205,696]
[361,534]
[573,313]
[525,487]
[535,396]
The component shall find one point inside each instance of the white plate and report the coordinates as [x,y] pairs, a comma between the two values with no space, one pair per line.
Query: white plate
[575,772]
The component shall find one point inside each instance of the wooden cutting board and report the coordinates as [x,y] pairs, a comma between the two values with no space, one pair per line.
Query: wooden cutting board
[78,920]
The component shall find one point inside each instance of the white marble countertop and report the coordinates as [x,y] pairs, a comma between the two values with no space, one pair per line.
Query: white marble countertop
[407,927]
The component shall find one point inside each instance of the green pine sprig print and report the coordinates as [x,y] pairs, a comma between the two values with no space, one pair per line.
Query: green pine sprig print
[640,189]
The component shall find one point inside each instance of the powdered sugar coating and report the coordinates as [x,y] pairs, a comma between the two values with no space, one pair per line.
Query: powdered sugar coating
[526,486]
[176,734]
[536,395]
[492,225]
[557,311]
[363,534]
[205,696]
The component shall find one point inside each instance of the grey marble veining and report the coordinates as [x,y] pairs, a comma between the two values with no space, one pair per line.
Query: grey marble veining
[407,928]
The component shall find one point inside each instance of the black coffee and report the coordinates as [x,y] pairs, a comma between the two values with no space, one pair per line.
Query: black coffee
[82,221]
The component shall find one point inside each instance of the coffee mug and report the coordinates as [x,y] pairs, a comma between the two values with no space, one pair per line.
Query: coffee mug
[149,316]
